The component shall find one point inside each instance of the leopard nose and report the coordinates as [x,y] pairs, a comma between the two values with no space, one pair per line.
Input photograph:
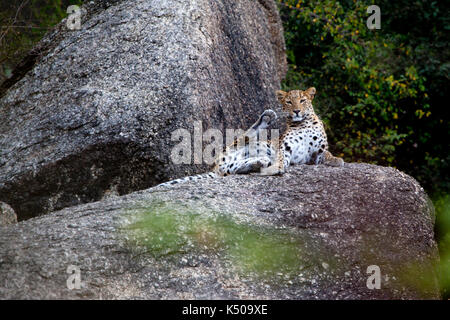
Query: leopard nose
[296,112]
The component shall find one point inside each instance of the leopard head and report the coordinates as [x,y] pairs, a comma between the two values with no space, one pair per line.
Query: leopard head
[297,102]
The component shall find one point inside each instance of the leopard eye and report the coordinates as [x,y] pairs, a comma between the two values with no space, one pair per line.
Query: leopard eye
[288,102]
[303,100]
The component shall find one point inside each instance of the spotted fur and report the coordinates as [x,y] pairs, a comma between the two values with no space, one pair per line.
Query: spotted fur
[304,142]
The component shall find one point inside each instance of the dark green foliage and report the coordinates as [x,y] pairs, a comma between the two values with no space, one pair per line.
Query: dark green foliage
[22,24]
[382,92]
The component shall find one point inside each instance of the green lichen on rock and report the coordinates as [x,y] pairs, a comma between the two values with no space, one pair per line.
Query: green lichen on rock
[170,228]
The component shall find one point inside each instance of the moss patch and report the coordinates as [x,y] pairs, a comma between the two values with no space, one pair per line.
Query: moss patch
[166,228]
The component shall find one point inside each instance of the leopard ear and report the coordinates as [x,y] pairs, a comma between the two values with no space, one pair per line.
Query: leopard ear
[311,92]
[281,95]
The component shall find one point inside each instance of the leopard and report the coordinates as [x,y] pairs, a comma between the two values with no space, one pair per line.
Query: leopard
[304,142]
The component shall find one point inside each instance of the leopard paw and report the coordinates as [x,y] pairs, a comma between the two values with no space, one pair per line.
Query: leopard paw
[268,116]
[271,171]
[339,162]
[264,162]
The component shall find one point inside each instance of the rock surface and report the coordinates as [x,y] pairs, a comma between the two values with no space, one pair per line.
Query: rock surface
[90,112]
[7,214]
[309,234]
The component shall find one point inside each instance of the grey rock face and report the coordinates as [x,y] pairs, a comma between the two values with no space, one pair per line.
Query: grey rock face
[91,112]
[7,214]
[309,234]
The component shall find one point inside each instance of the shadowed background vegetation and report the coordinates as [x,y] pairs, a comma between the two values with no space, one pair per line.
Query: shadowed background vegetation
[382,93]
[22,24]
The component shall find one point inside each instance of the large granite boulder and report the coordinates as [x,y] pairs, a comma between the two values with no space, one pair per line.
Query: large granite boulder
[356,232]
[90,112]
